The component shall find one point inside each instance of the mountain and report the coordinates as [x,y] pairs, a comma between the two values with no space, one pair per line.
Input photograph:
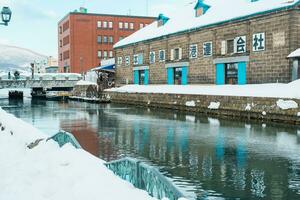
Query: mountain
[15,58]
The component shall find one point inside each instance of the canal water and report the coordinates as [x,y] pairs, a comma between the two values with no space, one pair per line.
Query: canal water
[207,158]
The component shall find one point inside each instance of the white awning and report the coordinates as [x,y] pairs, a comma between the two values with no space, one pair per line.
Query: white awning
[294,54]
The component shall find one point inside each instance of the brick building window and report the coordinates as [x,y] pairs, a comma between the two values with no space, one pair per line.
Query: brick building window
[60,30]
[66,40]
[99,54]
[99,39]
[162,55]
[60,43]
[126,25]
[141,26]
[176,54]
[105,24]
[111,39]
[111,54]
[104,54]
[66,26]
[105,39]
[99,24]
[131,26]
[120,25]
[110,25]
[66,55]
[230,46]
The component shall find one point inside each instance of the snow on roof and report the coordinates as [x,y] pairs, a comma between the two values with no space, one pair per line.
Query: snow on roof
[185,19]
[294,54]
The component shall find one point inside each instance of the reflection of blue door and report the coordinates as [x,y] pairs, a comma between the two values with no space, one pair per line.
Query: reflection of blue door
[242,77]
[220,74]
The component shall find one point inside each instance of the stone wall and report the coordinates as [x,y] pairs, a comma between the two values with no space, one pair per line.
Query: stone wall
[229,106]
[281,35]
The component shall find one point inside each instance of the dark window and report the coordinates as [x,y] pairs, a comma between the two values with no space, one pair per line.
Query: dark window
[230,46]
[231,73]
[105,39]
[176,54]
[111,39]
[99,39]
[141,77]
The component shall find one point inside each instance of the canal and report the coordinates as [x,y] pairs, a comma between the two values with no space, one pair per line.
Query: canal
[207,158]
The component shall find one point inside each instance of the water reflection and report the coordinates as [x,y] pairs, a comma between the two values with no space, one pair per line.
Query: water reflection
[207,157]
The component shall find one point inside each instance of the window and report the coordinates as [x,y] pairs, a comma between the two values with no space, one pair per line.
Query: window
[141,26]
[99,24]
[60,57]
[105,39]
[66,40]
[110,24]
[120,25]
[99,54]
[99,39]
[138,59]
[176,54]
[60,43]
[104,54]
[152,57]
[60,30]
[120,60]
[111,54]
[126,25]
[162,55]
[127,60]
[111,39]
[104,24]
[230,46]
[132,26]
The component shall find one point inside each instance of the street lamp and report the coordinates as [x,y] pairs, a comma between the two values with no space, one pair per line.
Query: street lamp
[6,15]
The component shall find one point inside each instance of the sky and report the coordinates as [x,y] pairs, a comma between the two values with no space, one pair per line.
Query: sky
[34,22]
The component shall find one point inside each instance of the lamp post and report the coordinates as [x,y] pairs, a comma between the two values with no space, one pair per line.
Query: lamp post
[5,15]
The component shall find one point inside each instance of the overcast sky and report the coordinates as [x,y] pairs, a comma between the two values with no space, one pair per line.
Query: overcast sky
[34,22]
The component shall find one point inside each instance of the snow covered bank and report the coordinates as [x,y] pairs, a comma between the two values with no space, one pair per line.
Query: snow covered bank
[48,172]
[275,90]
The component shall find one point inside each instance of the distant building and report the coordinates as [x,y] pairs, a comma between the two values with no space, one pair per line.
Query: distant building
[208,43]
[84,39]
[52,65]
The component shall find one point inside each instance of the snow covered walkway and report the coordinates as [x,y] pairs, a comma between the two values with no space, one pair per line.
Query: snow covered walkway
[275,90]
[48,172]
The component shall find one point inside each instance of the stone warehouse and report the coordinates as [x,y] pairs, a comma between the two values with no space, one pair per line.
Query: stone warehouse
[240,42]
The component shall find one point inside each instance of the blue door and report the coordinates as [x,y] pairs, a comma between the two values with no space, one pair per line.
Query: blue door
[170,76]
[184,76]
[146,80]
[220,74]
[136,77]
[242,76]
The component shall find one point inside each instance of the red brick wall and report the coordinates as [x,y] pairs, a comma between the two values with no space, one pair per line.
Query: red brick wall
[83,32]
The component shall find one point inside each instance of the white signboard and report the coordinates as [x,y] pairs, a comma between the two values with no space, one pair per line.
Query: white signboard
[240,44]
[258,42]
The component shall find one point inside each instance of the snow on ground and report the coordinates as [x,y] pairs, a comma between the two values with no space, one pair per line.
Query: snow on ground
[275,90]
[48,172]
[214,105]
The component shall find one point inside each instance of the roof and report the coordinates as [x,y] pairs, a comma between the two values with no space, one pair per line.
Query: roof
[105,15]
[185,20]
[294,54]
[110,68]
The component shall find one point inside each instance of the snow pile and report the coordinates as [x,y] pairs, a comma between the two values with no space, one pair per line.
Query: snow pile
[82,82]
[248,107]
[274,90]
[184,18]
[288,104]
[190,103]
[214,105]
[48,172]
[298,114]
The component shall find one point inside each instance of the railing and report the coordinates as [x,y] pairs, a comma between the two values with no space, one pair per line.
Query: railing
[63,138]
[145,177]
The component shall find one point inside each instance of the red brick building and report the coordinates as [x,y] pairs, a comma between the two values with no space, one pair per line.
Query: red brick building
[84,39]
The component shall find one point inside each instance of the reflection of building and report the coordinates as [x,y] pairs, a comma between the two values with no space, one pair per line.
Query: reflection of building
[200,44]
[85,38]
